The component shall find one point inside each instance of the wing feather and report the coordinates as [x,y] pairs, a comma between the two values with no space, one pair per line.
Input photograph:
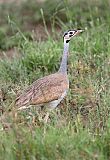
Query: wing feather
[44,90]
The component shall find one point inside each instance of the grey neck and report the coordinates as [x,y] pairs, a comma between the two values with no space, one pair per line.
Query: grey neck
[63,66]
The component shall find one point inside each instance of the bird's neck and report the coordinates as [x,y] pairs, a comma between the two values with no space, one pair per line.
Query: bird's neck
[63,66]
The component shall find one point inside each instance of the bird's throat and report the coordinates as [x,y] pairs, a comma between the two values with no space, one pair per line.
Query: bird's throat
[63,66]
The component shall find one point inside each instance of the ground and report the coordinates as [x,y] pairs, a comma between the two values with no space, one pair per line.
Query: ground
[32,43]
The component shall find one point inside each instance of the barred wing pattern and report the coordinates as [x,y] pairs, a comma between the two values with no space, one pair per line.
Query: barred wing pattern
[44,90]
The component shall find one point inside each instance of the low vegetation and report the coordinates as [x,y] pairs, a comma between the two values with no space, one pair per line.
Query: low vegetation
[80,127]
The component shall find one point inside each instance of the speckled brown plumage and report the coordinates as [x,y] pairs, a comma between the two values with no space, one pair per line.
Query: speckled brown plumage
[44,90]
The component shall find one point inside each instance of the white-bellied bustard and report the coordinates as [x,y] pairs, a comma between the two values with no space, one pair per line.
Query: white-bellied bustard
[49,90]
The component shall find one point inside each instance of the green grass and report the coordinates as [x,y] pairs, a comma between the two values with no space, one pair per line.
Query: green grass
[80,127]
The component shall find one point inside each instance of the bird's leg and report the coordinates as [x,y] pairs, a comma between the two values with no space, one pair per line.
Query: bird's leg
[46,117]
[45,122]
[50,106]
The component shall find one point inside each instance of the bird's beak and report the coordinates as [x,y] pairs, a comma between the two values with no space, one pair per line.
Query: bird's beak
[79,31]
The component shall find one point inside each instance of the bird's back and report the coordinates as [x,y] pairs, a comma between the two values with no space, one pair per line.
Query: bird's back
[44,90]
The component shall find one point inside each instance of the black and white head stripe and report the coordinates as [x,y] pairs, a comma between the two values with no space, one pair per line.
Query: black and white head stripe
[71,33]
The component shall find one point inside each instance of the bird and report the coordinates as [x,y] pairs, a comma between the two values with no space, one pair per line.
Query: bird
[50,90]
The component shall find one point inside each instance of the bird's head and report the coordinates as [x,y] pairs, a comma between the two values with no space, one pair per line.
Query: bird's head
[71,33]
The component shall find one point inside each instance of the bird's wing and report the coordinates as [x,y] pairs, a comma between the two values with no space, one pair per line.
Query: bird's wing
[44,90]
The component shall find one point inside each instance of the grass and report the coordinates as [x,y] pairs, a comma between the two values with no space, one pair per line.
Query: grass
[80,127]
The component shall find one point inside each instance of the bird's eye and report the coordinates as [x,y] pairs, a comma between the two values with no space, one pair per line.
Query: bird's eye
[70,32]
